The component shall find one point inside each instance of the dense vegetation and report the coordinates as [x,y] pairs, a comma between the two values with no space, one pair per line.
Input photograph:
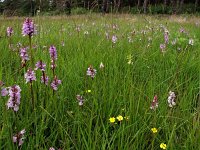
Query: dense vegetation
[116,75]
[56,7]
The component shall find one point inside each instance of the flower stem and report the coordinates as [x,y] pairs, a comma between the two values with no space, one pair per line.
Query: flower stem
[32,95]
[31,52]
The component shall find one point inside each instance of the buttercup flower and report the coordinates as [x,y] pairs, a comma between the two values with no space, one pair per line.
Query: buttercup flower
[154,130]
[112,120]
[19,138]
[120,118]
[163,146]
[88,91]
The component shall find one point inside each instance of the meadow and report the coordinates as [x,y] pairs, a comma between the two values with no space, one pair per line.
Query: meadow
[115,82]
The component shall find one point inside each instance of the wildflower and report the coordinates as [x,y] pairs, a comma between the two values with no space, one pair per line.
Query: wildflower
[78,29]
[171,99]
[120,118]
[40,65]
[129,58]
[191,42]
[127,118]
[166,36]
[154,130]
[80,100]
[86,32]
[91,72]
[101,66]
[162,47]
[44,79]
[55,83]
[182,30]
[154,103]
[9,31]
[14,100]
[88,91]
[130,39]
[114,39]
[4,92]
[112,120]
[53,52]
[28,28]
[163,146]
[51,148]
[19,137]
[24,54]
[30,76]
[115,27]
[53,55]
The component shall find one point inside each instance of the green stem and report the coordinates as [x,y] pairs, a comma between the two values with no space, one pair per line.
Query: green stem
[32,95]
[31,52]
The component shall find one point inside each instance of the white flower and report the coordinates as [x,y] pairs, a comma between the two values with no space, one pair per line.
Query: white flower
[171,99]
[191,42]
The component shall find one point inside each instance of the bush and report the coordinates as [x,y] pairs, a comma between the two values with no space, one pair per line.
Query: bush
[79,10]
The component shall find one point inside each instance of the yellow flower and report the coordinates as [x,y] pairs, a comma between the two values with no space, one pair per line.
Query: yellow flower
[127,118]
[154,130]
[88,91]
[163,146]
[120,118]
[112,119]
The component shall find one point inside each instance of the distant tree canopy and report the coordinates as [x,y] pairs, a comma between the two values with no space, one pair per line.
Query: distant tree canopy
[31,7]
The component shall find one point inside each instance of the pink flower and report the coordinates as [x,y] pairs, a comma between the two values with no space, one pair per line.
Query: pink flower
[30,76]
[40,65]
[80,100]
[45,79]
[91,72]
[154,103]
[14,100]
[4,92]
[55,83]
[28,28]
[114,39]
[9,31]
[19,137]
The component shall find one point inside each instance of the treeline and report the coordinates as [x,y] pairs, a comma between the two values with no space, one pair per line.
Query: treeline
[54,7]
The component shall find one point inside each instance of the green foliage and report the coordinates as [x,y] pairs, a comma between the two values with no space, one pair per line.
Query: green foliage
[79,10]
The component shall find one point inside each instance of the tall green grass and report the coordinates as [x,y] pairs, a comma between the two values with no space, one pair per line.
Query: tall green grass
[117,89]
